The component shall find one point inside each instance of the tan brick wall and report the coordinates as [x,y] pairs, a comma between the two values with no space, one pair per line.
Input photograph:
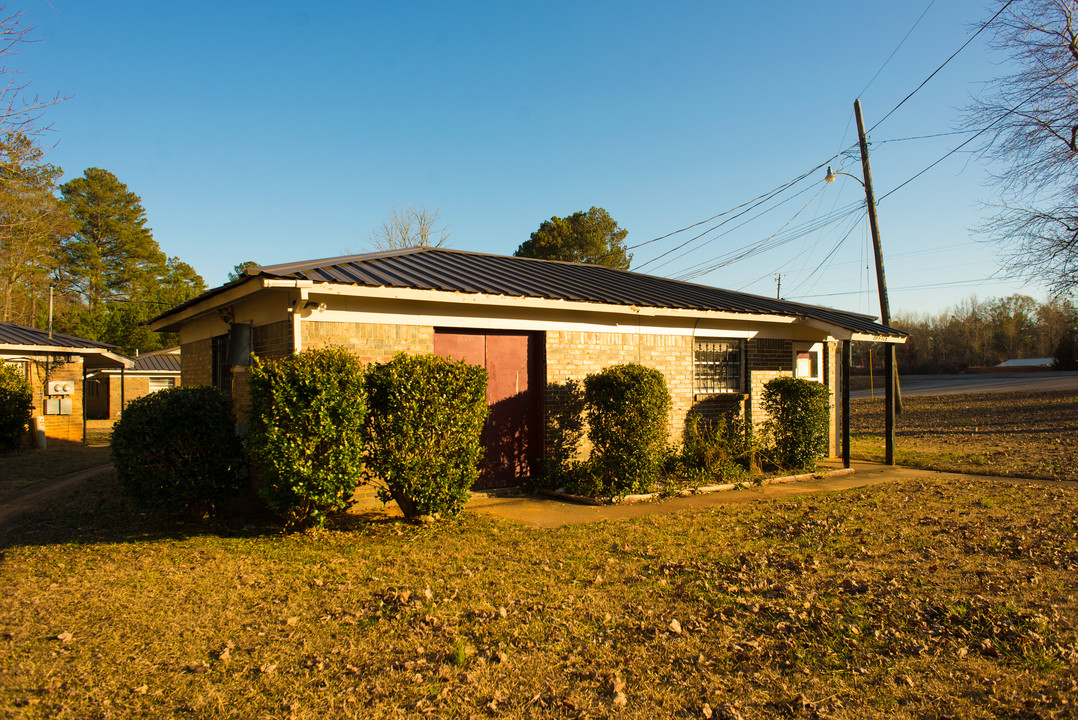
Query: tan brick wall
[197,363]
[765,361]
[273,340]
[573,355]
[133,387]
[833,378]
[59,429]
[369,342]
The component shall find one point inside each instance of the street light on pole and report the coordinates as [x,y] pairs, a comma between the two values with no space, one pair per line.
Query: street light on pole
[893,395]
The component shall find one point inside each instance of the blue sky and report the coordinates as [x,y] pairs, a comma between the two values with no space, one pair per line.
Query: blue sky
[282,131]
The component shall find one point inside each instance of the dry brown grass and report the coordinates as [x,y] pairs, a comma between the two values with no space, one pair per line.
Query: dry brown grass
[911,600]
[1029,434]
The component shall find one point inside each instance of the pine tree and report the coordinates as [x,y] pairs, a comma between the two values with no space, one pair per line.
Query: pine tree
[32,221]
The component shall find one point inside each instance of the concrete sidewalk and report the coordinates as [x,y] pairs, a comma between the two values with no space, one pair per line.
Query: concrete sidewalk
[547,512]
[543,512]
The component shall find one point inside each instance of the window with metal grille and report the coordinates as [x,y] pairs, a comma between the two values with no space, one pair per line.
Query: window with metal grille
[717,366]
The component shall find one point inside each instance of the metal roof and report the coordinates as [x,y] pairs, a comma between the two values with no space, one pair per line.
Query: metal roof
[165,362]
[21,335]
[425,268]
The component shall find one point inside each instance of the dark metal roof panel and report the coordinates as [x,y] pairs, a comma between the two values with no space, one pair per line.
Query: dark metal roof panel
[166,362]
[14,334]
[476,273]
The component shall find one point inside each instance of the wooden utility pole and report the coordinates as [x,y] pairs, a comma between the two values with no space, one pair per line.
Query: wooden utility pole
[778,286]
[893,403]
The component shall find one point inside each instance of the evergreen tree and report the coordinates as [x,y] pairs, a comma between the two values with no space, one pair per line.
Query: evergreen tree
[112,255]
[113,272]
[32,221]
[584,237]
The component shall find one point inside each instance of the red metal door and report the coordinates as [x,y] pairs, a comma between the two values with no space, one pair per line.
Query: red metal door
[510,437]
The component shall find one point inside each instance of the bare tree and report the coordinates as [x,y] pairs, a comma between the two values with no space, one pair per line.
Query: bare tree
[411,227]
[1030,123]
[20,112]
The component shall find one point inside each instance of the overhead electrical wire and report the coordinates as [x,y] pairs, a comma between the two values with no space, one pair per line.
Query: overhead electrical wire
[929,286]
[897,48]
[830,255]
[725,232]
[779,238]
[760,198]
[945,62]
[980,132]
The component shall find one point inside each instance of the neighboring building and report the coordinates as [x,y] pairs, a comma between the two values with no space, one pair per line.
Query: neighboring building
[56,365]
[1028,363]
[534,324]
[109,391]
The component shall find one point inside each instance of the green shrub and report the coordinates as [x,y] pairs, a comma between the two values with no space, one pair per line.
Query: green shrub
[177,449]
[799,417]
[627,408]
[564,431]
[16,405]
[424,433]
[306,425]
[717,449]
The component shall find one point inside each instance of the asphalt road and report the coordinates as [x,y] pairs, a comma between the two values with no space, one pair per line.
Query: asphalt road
[978,383]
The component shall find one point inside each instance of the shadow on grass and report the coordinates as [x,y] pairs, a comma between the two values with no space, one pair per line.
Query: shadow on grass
[96,512]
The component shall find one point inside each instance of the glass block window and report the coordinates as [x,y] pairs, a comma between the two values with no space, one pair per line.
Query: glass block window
[717,366]
[161,383]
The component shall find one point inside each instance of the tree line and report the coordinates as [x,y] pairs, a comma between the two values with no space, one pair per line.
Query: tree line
[83,246]
[86,244]
[980,333]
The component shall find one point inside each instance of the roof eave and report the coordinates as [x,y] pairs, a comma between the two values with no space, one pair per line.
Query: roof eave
[171,320]
[108,359]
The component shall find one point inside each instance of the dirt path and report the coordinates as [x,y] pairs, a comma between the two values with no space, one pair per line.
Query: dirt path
[32,497]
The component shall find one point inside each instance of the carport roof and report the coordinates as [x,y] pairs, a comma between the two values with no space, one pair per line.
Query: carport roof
[441,269]
[15,338]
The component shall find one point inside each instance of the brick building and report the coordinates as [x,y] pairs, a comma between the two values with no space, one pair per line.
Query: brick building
[535,325]
[56,366]
[109,391]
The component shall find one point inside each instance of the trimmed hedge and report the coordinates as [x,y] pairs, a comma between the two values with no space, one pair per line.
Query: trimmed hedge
[16,405]
[799,417]
[627,408]
[424,431]
[177,449]
[306,423]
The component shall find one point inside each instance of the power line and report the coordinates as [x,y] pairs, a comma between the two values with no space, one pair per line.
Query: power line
[757,248]
[923,137]
[900,43]
[726,232]
[980,132]
[952,57]
[759,198]
[929,286]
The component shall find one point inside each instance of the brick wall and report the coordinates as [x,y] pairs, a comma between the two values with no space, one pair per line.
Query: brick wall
[573,355]
[833,379]
[273,340]
[766,360]
[59,429]
[197,363]
[369,342]
[133,387]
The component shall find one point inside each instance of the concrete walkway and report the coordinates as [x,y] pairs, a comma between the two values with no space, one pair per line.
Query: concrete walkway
[542,512]
[547,512]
